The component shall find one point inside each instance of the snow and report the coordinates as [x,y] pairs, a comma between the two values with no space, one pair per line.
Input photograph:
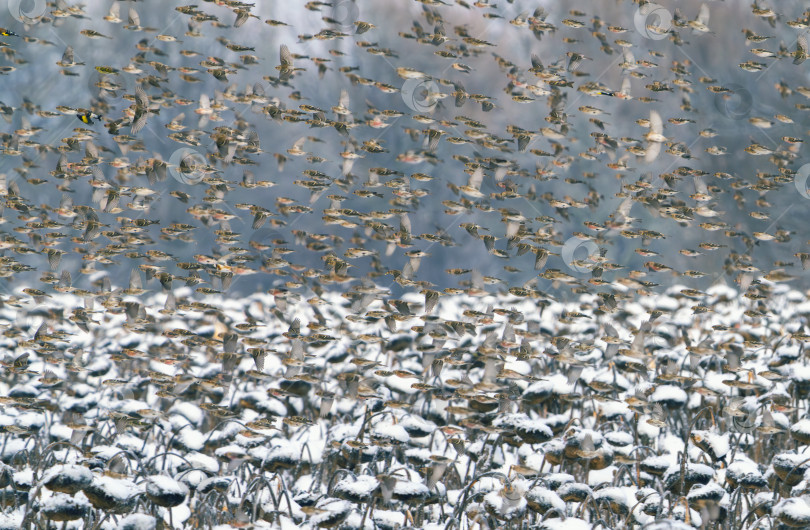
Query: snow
[611,409]
[179,515]
[410,489]
[796,509]
[389,518]
[546,497]
[163,485]
[719,443]
[230,450]
[742,467]
[12,520]
[120,489]
[203,462]
[391,431]
[362,486]
[573,487]
[191,439]
[790,460]
[138,521]
[622,495]
[63,501]
[72,473]
[199,464]
[692,468]
[554,480]
[619,438]
[505,508]
[597,477]
[570,523]
[670,524]
[333,507]
[668,393]
[24,478]
[413,422]
[30,420]
[710,490]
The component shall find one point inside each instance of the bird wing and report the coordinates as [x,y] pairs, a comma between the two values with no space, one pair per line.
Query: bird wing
[703,15]
[134,18]
[66,202]
[656,123]
[248,177]
[700,186]
[67,57]
[405,223]
[801,48]
[476,178]
[628,56]
[300,142]
[625,86]
[141,99]
[653,150]
[90,150]
[623,211]
[135,281]
[285,56]
[139,121]
[242,16]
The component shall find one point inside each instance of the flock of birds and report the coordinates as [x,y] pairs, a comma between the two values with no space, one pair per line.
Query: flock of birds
[427,264]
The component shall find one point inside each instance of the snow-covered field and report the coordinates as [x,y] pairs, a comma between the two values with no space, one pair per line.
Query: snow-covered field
[489,410]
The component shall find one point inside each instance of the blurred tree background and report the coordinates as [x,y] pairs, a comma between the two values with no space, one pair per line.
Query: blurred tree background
[715,56]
